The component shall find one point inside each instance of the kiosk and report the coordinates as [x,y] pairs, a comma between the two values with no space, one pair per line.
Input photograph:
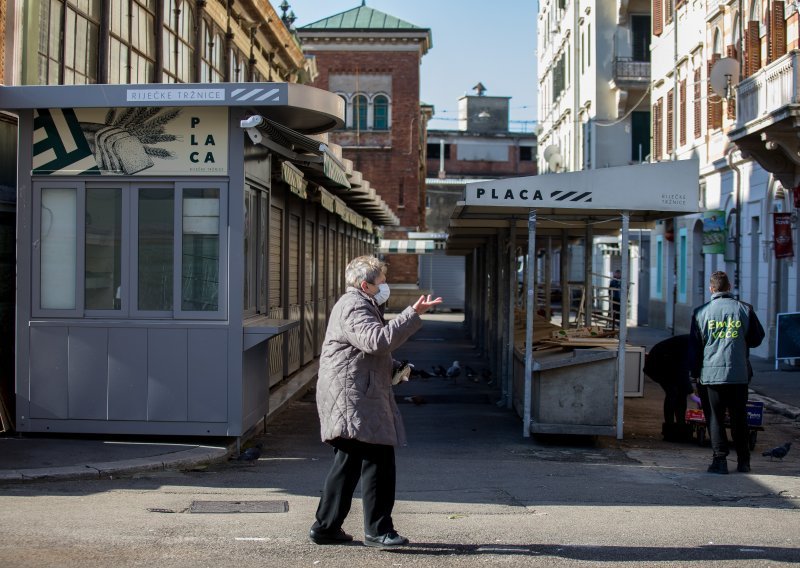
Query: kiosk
[173,274]
[567,393]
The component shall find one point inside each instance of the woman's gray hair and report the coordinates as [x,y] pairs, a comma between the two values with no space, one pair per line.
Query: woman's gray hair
[363,269]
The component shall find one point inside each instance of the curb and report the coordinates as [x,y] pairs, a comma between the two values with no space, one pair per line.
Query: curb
[778,407]
[190,457]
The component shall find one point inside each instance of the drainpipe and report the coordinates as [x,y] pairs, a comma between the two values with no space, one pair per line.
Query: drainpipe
[737,202]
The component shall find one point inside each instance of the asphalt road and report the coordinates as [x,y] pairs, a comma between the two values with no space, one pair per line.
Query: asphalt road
[471,492]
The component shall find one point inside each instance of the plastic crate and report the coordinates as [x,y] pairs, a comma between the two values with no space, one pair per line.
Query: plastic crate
[755,413]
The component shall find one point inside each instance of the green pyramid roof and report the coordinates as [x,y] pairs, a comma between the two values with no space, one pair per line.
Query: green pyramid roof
[361,18]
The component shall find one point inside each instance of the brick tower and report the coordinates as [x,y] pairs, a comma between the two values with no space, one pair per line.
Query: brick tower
[372,60]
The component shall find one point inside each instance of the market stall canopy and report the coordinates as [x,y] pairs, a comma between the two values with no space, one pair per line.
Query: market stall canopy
[573,201]
[321,163]
[302,108]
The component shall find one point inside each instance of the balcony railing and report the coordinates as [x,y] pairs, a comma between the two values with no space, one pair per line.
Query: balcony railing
[627,70]
[770,89]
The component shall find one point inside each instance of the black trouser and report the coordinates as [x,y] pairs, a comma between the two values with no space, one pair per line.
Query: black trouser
[674,404]
[374,465]
[734,399]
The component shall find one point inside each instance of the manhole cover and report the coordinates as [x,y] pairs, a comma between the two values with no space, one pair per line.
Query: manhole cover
[239,507]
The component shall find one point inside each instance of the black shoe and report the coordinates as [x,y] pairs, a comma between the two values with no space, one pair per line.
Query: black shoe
[387,540]
[743,467]
[332,537]
[718,465]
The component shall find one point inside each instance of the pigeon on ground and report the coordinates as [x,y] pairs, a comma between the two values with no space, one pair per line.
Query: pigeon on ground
[469,371]
[421,373]
[454,371]
[439,371]
[779,452]
[487,374]
[251,454]
[416,399]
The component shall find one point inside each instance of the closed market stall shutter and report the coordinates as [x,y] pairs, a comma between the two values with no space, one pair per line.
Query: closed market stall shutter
[293,336]
[309,278]
[322,283]
[275,290]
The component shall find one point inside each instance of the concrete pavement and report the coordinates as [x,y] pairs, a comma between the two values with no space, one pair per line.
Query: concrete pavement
[442,340]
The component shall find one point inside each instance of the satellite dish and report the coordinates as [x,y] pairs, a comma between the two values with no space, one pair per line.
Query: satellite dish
[549,151]
[724,75]
[555,161]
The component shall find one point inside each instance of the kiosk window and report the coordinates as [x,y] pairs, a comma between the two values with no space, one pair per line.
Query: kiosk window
[130,250]
[59,246]
[103,249]
[155,249]
[200,267]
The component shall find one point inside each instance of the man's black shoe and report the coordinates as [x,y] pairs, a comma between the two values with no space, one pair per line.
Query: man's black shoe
[718,465]
[332,537]
[743,467]
[387,540]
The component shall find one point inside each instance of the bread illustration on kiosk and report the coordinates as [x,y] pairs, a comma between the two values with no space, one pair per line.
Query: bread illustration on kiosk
[125,144]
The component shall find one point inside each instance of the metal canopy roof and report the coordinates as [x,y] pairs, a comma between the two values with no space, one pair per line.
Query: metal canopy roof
[573,201]
[302,108]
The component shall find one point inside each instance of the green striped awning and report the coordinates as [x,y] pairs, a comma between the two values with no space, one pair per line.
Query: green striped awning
[334,171]
[396,246]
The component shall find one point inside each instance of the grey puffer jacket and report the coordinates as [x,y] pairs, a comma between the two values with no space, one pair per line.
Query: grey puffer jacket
[354,389]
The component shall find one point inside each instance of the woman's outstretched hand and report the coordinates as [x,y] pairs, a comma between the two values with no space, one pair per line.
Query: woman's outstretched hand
[425,303]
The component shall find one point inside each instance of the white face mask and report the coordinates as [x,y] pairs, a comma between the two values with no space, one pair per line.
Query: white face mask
[383,294]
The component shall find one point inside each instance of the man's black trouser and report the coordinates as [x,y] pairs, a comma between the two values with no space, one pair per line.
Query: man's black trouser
[734,399]
[374,465]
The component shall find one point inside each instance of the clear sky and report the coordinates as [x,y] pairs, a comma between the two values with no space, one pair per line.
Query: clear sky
[492,42]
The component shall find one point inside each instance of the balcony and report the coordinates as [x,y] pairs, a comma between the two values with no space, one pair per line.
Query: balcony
[630,73]
[768,118]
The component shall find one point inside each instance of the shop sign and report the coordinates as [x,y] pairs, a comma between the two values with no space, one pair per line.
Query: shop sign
[784,247]
[714,232]
[142,141]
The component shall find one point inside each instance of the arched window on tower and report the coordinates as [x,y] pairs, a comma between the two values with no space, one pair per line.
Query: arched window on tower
[380,112]
[359,112]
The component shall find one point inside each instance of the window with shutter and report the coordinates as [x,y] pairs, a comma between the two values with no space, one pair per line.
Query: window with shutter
[714,118]
[730,103]
[670,121]
[658,17]
[698,109]
[657,132]
[682,115]
[777,31]
[752,54]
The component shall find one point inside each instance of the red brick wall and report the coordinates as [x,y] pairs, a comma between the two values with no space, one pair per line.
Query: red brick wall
[394,171]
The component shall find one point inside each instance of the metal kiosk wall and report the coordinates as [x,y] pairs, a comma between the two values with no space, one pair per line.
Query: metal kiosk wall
[147,224]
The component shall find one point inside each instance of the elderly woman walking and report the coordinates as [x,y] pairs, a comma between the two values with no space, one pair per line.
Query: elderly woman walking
[357,412]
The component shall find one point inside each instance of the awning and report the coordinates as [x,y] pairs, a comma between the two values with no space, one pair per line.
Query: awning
[301,149]
[294,179]
[397,246]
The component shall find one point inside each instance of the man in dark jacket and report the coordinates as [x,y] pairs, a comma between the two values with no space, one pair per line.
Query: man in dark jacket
[667,363]
[723,332]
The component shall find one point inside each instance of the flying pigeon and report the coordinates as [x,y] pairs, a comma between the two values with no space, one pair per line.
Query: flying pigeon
[251,454]
[779,452]
[454,371]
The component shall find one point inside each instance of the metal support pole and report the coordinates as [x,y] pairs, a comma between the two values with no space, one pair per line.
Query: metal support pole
[512,304]
[548,279]
[588,294]
[528,378]
[623,322]
[500,316]
[566,295]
